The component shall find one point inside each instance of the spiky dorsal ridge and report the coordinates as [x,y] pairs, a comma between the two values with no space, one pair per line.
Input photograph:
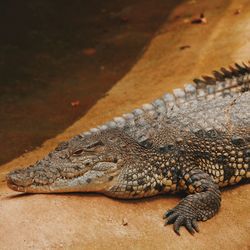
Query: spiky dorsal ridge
[140,122]
[238,73]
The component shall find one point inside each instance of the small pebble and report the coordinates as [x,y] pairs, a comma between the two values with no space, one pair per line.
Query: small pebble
[124,222]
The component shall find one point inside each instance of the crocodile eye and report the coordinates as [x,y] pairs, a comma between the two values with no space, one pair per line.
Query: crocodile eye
[95,144]
[78,152]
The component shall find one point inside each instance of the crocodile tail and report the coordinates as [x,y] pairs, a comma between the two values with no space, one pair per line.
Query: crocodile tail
[235,79]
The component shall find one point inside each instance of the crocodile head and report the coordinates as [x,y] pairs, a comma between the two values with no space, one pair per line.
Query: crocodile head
[89,163]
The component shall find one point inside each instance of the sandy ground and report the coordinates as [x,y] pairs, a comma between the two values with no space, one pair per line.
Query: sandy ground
[80,221]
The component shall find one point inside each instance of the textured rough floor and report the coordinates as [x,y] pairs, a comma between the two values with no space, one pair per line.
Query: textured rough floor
[77,221]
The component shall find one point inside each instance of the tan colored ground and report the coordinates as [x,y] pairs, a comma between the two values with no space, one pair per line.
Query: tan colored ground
[82,221]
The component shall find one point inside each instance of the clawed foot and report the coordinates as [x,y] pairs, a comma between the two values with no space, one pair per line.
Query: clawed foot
[200,205]
[181,218]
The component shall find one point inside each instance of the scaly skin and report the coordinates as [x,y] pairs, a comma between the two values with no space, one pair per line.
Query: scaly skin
[195,141]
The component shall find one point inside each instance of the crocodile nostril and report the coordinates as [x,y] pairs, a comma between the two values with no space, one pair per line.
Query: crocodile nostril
[18,179]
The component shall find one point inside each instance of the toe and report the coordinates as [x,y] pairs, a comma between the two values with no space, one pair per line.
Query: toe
[179,222]
[189,227]
[171,219]
[166,214]
[195,225]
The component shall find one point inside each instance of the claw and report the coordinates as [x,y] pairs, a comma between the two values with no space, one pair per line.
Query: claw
[195,225]
[166,223]
[189,227]
[166,214]
[177,231]
[179,222]
[171,218]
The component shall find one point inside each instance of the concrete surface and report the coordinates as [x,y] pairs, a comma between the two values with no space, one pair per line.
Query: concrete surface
[86,221]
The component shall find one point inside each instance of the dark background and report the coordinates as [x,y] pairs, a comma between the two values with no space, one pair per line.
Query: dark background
[53,53]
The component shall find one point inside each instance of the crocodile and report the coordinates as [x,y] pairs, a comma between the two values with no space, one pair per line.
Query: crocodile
[195,141]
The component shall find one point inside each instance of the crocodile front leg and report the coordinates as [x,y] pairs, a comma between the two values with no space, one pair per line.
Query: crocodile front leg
[201,204]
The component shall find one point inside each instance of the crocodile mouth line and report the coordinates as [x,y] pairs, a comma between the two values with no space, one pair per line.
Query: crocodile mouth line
[49,186]
[33,185]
